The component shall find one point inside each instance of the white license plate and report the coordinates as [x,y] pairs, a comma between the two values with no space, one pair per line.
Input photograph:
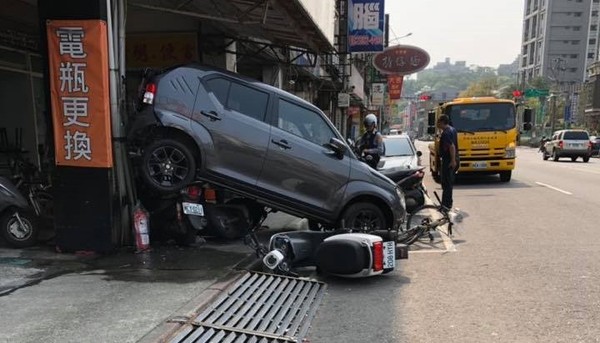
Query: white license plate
[479,165]
[389,255]
[193,209]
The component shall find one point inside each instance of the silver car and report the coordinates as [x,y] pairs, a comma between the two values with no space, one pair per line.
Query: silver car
[569,143]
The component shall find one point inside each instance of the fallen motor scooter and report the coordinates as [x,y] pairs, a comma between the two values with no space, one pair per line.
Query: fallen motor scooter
[18,223]
[350,255]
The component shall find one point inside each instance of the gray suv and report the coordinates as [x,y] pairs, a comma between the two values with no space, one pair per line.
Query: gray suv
[196,122]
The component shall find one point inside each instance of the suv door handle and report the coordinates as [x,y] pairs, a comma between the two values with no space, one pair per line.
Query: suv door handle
[281,143]
[212,115]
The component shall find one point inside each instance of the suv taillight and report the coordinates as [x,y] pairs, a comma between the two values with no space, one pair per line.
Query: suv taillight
[561,144]
[149,94]
[590,145]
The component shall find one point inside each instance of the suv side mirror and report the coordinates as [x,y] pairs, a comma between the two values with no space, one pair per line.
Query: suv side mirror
[338,146]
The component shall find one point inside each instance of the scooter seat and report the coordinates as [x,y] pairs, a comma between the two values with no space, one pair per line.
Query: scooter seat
[343,257]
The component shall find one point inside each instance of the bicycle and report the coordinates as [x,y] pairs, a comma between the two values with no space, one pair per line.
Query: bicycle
[428,218]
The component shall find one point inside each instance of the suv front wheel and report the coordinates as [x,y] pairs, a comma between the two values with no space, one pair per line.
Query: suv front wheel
[363,217]
[168,165]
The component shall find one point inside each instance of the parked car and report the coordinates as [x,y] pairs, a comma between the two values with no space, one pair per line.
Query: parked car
[595,145]
[259,142]
[400,155]
[569,143]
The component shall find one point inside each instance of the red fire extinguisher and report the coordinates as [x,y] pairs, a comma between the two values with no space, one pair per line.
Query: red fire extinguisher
[141,220]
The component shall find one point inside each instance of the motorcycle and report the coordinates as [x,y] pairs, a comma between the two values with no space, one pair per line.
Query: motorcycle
[17,220]
[348,255]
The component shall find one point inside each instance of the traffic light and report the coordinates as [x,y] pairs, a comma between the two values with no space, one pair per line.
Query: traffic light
[517,93]
[425,97]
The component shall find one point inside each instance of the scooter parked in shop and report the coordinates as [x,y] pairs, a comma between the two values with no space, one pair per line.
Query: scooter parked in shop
[18,221]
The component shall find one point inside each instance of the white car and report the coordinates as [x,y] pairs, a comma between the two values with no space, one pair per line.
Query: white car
[569,143]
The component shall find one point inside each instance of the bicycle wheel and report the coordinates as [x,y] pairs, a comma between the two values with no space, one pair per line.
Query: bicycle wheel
[418,222]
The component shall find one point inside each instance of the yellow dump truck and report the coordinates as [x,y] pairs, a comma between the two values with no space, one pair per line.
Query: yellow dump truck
[487,135]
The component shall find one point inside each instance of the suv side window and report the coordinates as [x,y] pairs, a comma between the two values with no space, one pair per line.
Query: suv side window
[304,123]
[248,101]
[220,87]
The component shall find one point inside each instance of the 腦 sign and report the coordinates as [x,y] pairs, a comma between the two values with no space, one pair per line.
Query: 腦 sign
[401,60]
[79,87]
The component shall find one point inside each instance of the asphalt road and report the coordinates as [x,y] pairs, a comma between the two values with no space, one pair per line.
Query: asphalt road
[524,267]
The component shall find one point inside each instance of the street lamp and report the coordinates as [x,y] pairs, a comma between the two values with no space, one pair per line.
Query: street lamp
[398,38]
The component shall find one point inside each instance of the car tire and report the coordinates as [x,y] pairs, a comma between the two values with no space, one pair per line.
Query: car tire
[363,217]
[168,165]
[573,159]
[505,176]
[30,231]
[545,156]
[554,155]
[586,159]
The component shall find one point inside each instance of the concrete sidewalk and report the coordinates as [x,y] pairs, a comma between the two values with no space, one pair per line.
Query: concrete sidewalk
[50,297]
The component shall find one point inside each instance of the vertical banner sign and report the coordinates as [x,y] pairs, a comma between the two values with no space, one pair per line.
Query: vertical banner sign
[395,86]
[78,58]
[377,94]
[365,25]
[574,107]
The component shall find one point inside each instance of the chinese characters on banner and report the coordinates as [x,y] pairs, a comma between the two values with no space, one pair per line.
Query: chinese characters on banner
[365,25]
[377,94]
[78,58]
[395,86]
[161,50]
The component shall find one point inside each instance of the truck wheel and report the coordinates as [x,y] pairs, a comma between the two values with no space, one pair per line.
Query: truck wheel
[168,165]
[505,176]
[574,158]
[363,217]
[17,235]
[586,159]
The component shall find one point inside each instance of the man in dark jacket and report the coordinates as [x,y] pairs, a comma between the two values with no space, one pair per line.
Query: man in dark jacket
[448,151]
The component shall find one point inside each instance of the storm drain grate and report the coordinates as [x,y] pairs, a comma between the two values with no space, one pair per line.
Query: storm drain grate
[258,308]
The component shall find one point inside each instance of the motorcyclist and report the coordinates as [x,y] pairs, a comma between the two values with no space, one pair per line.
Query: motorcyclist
[371,143]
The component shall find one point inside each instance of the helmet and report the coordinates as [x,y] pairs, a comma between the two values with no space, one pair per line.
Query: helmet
[370,119]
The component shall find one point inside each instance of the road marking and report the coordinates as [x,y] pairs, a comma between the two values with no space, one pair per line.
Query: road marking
[448,242]
[554,188]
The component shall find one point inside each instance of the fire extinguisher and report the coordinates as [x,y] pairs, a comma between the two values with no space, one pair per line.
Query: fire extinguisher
[141,219]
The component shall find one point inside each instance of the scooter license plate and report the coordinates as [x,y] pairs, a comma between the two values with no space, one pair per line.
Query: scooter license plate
[389,255]
[193,209]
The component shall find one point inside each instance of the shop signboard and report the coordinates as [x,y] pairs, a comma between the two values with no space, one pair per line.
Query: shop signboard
[395,86]
[365,25]
[343,100]
[401,60]
[377,94]
[159,50]
[79,88]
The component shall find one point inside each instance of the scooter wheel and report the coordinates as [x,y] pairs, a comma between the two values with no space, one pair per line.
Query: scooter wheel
[17,235]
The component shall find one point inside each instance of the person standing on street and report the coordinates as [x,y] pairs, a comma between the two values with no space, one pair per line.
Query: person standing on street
[371,143]
[448,151]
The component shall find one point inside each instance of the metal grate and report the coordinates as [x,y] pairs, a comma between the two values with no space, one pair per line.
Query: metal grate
[258,308]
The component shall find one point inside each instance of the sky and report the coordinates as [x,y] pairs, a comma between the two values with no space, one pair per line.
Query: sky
[480,32]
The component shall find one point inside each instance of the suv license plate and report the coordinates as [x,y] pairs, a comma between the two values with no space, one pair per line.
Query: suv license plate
[389,255]
[479,165]
[193,209]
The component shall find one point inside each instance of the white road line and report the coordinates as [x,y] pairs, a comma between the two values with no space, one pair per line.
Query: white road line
[448,241]
[554,188]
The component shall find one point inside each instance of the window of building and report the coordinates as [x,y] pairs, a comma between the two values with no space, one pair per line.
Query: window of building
[573,55]
[591,55]
[575,42]
[592,41]
[577,14]
[594,13]
[576,28]
[572,70]
[594,27]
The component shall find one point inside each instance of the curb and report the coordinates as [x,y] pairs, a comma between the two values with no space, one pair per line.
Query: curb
[170,326]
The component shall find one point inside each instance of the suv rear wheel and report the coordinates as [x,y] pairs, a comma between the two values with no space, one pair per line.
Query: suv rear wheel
[363,217]
[168,165]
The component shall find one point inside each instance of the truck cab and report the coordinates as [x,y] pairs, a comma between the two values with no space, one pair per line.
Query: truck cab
[487,135]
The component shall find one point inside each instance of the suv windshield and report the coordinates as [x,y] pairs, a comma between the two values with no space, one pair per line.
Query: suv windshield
[576,135]
[398,147]
[482,117]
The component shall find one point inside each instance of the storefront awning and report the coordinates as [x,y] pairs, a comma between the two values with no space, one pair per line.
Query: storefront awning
[284,22]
